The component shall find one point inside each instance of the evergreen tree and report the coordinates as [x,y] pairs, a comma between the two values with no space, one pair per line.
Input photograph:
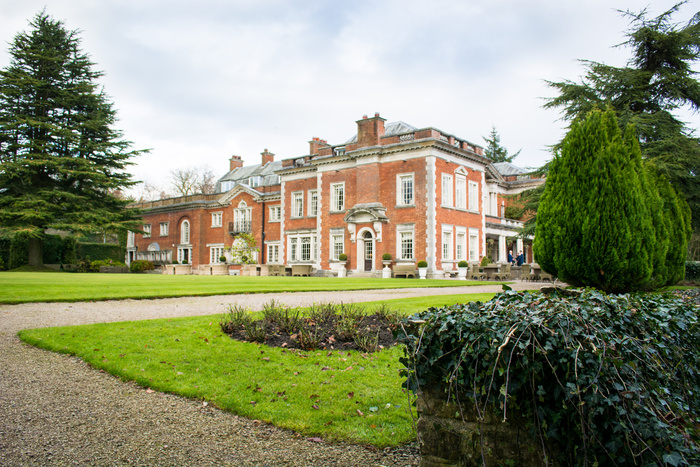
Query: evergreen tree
[657,81]
[495,151]
[594,226]
[60,159]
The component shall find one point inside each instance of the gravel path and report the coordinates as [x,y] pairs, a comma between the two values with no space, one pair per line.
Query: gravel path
[56,410]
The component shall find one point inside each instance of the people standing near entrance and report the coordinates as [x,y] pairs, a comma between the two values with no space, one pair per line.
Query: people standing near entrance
[521,258]
[510,257]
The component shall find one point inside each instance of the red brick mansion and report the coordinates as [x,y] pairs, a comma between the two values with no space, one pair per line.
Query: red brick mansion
[417,194]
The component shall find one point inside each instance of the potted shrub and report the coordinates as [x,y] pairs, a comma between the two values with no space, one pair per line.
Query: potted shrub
[422,269]
[342,259]
[386,260]
[222,259]
[462,268]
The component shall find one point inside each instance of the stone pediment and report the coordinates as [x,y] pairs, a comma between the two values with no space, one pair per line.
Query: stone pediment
[363,213]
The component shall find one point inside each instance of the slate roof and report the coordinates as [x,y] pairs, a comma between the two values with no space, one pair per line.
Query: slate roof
[507,169]
[243,174]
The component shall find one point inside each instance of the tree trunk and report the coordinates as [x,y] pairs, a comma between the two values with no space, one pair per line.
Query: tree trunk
[35,251]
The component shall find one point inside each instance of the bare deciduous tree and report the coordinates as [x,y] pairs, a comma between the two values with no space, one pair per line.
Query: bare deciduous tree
[191,180]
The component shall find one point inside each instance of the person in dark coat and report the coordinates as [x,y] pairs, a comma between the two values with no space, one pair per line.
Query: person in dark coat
[510,257]
[521,258]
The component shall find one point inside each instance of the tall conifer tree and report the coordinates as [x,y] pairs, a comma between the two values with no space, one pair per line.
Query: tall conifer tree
[60,159]
[594,227]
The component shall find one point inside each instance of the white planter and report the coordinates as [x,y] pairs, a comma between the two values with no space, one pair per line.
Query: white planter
[342,271]
[462,273]
[422,273]
[386,272]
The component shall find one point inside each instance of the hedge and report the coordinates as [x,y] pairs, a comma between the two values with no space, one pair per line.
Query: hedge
[99,251]
[597,379]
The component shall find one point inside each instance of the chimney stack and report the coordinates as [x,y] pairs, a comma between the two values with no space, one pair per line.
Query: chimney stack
[235,162]
[267,156]
[315,144]
[370,130]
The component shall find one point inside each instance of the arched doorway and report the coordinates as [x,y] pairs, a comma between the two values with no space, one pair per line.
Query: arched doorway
[368,250]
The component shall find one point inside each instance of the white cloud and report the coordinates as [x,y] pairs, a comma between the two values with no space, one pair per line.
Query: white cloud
[200,81]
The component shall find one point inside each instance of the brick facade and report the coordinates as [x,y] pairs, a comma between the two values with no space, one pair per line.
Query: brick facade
[417,194]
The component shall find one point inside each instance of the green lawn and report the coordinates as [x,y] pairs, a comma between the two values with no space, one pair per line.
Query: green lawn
[23,287]
[339,395]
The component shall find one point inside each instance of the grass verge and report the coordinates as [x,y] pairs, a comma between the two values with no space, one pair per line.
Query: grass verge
[338,395]
[24,287]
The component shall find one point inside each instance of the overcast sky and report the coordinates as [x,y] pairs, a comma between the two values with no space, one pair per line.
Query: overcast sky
[199,81]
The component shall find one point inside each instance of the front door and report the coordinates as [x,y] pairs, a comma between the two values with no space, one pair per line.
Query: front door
[369,251]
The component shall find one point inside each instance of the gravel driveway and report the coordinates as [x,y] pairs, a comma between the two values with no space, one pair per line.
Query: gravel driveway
[56,410]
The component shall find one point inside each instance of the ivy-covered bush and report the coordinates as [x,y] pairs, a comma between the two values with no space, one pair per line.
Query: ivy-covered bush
[692,271]
[141,266]
[597,379]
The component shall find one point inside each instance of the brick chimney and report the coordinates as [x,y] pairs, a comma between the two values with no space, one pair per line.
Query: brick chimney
[235,162]
[370,130]
[315,144]
[267,156]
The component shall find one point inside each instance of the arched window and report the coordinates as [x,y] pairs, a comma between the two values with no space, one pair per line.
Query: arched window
[185,232]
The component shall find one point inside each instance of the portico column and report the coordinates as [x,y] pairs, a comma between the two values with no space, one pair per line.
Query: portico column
[502,249]
[519,247]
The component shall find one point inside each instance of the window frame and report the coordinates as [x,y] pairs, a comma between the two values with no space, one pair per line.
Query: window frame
[473,246]
[215,252]
[401,193]
[217,216]
[405,231]
[273,253]
[313,203]
[164,229]
[460,192]
[447,243]
[473,196]
[461,246]
[185,232]
[297,205]
[447,198]
[275,213]
[337,197]
[147,230]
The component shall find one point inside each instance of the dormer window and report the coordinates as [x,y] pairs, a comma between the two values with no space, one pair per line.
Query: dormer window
[255,181]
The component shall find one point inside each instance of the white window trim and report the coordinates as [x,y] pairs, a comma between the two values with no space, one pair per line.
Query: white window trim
[164,232]
[461,200]
[147,230]
[447,198]
[217,215]
[313,204]
[449,230]
[399,189]
[273,245]
[332,236]
[334,201]
[464,244]
[297,213]
[216,250]
[185,239]
[296,256]
[403,228]
[473,248]
[473,187]
[277,216]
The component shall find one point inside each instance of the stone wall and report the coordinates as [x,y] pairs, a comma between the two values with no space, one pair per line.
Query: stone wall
[454,437]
